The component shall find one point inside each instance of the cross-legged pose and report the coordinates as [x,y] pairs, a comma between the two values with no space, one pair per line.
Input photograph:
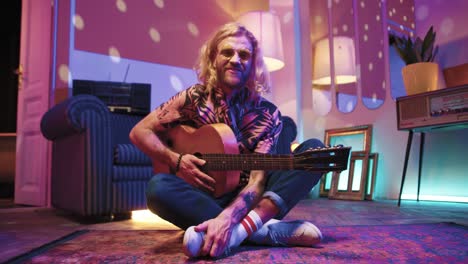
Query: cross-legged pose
[232,78]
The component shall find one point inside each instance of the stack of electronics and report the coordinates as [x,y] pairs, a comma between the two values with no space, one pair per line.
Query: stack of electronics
[120,97]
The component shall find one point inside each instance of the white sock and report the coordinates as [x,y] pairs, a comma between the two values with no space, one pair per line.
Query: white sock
[249,225]
[193,242]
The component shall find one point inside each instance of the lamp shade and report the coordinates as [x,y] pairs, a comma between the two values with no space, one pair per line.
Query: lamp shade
[266,28]
[344,58]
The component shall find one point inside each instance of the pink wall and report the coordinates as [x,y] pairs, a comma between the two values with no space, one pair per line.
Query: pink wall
[449,21]
[283,81]
[169,33]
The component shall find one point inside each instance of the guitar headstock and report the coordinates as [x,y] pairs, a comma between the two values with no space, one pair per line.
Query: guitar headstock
[323,159]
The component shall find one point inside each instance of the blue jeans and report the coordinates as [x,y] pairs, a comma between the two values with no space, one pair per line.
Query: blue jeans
[176,201]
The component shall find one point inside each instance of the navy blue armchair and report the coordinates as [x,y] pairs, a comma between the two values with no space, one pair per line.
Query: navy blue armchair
[96,171]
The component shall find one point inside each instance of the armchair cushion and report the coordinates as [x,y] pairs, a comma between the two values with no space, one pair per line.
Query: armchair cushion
[128,154]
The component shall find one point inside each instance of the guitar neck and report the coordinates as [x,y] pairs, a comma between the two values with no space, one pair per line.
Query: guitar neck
[217,145]
[227,162]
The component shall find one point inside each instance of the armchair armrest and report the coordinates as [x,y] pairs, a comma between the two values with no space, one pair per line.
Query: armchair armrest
[66,118]
[81,178]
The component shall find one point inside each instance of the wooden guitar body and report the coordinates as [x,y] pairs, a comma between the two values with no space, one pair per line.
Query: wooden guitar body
[214,138]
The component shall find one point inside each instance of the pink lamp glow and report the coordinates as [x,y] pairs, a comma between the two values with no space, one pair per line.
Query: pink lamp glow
[344,61]
[267,29]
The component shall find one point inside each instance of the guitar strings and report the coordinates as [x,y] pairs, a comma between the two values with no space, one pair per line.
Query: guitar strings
[222,161]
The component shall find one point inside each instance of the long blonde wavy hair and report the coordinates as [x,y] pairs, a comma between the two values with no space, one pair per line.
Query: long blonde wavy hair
[258,81]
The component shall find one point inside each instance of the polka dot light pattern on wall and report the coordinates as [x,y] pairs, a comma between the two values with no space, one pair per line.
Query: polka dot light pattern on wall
[370,54]
[400,15]
[78,22]
[121,5]
[343,24]
[156,31]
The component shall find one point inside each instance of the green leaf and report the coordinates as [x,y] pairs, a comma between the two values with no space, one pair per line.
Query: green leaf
[417,50]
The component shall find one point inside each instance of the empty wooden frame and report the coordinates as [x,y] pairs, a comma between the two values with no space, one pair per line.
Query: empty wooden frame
[361,179]
[351,183]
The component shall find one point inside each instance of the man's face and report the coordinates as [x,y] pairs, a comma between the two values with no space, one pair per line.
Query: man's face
[233,61]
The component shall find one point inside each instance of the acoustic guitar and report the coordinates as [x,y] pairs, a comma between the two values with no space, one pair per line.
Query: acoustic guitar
[217,145]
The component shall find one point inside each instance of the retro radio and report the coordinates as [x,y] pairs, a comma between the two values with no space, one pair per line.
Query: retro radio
[445,108]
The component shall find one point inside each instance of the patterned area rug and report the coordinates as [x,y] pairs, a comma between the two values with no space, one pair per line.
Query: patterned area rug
[412,243]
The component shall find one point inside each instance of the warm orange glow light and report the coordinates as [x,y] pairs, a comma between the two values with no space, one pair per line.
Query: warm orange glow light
[146,216]
[294,145]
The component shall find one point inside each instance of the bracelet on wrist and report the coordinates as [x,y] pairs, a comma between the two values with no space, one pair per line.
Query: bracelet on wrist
[178,162]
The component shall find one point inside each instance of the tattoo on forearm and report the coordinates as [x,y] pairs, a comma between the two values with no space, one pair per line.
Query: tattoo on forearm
[238,214]
[248,199]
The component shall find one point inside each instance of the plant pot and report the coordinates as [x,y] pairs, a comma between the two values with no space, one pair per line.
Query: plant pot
[420,77]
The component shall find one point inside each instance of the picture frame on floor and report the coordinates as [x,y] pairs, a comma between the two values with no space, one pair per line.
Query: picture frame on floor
[353,183]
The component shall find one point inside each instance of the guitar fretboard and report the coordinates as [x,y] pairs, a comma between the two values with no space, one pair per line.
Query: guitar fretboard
[334,159]
[223,162]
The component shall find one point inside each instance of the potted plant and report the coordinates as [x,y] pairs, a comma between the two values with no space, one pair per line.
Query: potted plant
[421,72]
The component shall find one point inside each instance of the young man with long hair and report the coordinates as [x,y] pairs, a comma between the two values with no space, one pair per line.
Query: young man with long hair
[232,78]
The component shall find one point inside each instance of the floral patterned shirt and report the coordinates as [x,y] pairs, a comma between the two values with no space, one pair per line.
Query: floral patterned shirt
[256,126]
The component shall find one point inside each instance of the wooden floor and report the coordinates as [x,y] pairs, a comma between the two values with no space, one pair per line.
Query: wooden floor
[25,228]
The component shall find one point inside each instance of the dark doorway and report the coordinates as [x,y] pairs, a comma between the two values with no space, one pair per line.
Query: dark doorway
[10,28]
